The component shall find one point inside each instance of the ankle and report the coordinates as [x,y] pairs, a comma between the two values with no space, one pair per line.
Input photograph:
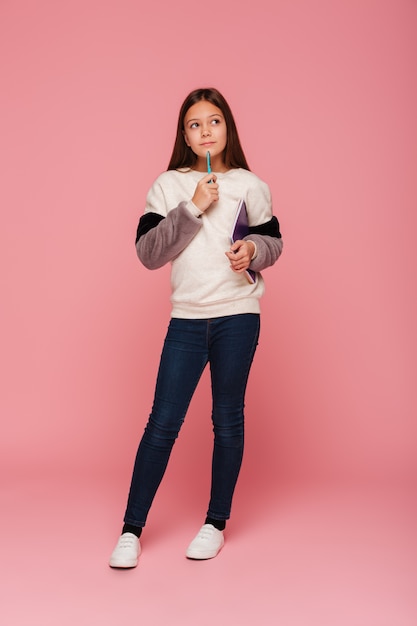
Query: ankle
[220,524]
[135,530]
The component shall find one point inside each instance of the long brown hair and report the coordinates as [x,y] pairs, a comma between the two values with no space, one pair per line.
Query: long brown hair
[183,156]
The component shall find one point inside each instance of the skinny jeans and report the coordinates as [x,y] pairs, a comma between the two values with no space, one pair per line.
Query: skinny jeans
[228,344]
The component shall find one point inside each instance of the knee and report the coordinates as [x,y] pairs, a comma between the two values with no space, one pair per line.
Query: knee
[161,433]
[230,436]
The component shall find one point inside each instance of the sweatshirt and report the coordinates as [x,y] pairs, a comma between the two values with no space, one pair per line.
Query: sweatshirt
[173,230]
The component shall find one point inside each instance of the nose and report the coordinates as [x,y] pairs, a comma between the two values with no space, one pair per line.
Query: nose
[205,131]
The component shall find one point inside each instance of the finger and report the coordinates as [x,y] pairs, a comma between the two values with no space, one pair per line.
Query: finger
[239,264]
[208,178]
[235,247]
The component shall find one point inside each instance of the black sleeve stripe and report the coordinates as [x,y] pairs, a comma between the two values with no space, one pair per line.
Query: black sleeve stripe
[146,223]
[270,228]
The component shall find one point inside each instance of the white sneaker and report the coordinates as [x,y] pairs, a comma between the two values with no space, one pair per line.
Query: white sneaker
[126,552]
[207,544]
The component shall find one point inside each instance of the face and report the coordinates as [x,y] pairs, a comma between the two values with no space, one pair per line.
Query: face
[205,130]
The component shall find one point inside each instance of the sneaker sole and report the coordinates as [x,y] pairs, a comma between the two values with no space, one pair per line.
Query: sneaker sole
[128,565]
[202,556]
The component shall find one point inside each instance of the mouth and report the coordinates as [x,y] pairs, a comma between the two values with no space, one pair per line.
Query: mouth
[208,143]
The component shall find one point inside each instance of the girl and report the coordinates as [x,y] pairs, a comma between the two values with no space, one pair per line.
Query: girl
[188,221]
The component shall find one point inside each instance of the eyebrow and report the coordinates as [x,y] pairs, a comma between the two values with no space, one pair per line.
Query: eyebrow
[197,119]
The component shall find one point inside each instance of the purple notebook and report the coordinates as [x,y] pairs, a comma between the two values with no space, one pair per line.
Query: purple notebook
[240,230]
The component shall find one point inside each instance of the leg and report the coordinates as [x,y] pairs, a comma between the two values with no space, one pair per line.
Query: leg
[232,346]
[183,360]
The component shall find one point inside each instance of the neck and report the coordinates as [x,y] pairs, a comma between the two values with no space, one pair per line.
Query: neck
[217,165]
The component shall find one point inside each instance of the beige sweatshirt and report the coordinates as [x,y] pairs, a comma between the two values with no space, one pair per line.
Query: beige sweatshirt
[173,230]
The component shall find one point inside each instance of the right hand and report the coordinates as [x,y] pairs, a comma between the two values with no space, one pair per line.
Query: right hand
[206,192]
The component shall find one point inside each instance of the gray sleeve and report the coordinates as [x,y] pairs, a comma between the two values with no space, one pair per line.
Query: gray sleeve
[268,251]
[171,235]
[264,226]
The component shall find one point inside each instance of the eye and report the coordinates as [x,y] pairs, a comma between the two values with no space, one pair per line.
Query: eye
[215,121]
[194,125]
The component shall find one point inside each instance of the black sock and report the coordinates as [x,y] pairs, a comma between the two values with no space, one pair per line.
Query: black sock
[220,524]
[135,530]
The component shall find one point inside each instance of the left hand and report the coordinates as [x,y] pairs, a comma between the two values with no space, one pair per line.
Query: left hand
[240,255]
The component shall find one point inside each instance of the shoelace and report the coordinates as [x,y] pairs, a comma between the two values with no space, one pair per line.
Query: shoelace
[127,541]
[206,533]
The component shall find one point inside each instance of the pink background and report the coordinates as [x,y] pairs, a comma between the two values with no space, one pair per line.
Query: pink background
[325,97]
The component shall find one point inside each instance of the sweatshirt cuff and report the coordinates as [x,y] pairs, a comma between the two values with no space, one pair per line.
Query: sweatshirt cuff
[255,253]
[194,210]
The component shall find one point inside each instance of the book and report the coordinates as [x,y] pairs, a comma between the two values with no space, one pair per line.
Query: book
[240,230]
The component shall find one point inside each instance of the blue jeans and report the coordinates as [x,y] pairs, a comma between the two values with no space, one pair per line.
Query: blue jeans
[228,344]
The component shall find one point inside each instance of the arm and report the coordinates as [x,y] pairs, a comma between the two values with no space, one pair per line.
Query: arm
[264,228]
[164,232]
[268,241]
[159,239]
